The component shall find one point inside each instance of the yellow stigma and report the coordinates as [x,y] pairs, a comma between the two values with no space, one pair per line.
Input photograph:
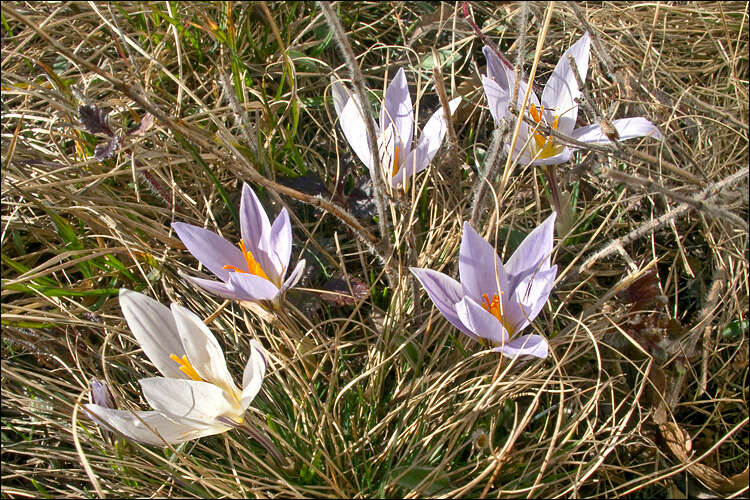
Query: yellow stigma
[395,162]
[545,146]
[186,367]
[252,265]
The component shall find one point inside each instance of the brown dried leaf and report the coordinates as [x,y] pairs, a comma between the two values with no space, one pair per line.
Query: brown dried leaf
[345,291]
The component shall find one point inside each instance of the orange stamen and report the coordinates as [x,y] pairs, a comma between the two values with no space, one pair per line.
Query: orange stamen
[494,306]
[186,367]
[547,145]
[252,265]
[395,162]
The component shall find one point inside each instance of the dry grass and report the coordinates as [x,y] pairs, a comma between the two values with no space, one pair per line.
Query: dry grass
[645,390]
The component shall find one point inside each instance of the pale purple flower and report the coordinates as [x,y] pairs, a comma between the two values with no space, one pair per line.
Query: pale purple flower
[395,131]
[493,302]
[196,396]
[256,270]
[558,109]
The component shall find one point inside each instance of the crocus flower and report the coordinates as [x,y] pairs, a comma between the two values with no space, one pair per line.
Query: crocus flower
[395,132]
[558,109]
[196,396]
[493,302]
[255,271]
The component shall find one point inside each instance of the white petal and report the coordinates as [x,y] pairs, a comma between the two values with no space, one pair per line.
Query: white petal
[340,96]
[189,400]
[352,123]
[562,89]
[202,349]
[252,378]
[155,330]
[627,128]
[138,425]
[497,100]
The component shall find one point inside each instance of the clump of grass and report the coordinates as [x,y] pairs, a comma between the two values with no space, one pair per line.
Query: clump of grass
[377,396]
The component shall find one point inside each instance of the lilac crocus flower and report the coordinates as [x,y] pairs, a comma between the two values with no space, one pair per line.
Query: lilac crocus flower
[558,109]
[255,271]
[395,132]
[493,302]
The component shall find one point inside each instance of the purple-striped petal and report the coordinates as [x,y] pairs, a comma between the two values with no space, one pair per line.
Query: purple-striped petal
[533,253]
[281,246]
[210,249]
[294,277]
[445,293]
[480,321]
[255,229]
[496,70]
[218,288]
[561,90]
[525,345]
[528,298]
[251,287]
[497,100]
[477,261]
[397,110]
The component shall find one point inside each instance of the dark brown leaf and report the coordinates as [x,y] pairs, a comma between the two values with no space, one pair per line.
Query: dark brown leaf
[344,291]
[94,120]
[104,150]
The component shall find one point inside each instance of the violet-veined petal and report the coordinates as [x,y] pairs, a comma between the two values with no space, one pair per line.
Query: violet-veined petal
[190,400]
[496,70]
[281,246]
[529,298]
[445,293]
[202,349]
[627,128]
[210,249]
[480,321]
[214,287]
[476,265]
[255,229]
[135,425]
[562,89]
[525,345]
[251,287]
[155,330]
[533,253]
[397,110]
[252,377]
[497,100]
[294,277]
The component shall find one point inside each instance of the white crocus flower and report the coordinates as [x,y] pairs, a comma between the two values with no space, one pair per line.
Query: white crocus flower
[395,131]
[196,396]
[558,109]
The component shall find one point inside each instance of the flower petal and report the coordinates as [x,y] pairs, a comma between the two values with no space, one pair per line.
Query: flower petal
[155,330]
[445,293]
[135,425]
[562,89]
[188,400]
[497,100]
[280,243]
[525,345]
[252,378]
[480,321]
[255,229]
[529,298]
[428,145]
[353,124]
[496,70]
[476,265]
[340,95]
[210,249]
[294,277]
[251,287]
[397,110]
[555,160]
[534,252]
[202,349]
[211,286]
[627,128]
